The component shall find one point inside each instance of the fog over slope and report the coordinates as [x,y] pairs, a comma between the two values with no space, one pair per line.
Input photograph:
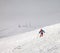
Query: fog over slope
[34,12]
[27,15]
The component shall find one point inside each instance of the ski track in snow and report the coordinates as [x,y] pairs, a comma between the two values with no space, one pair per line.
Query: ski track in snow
[30,42]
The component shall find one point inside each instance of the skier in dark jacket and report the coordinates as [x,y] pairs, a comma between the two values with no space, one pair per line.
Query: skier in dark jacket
[41,32]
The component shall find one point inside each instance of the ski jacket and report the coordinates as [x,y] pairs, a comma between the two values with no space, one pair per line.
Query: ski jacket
[41,31]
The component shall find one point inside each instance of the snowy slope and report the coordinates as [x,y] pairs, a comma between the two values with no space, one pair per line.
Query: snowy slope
[13,30]
[30,42]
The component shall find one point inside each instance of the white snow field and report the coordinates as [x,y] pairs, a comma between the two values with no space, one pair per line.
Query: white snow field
[30,42]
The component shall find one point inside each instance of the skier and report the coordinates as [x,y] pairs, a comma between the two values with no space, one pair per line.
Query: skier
[41,32]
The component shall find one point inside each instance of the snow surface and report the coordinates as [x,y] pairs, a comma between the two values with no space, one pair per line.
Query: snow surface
[30,42]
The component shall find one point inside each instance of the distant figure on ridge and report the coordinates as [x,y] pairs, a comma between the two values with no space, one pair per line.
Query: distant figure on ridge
[41,32]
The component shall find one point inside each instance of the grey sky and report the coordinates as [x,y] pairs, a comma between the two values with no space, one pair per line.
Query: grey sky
[36,12]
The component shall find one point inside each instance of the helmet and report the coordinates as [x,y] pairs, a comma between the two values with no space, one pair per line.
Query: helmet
[41,29]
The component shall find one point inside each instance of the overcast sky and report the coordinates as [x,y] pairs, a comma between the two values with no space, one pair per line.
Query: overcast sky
[36,12]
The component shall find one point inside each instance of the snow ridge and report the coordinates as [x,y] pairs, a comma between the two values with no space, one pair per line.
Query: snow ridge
[30,42]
